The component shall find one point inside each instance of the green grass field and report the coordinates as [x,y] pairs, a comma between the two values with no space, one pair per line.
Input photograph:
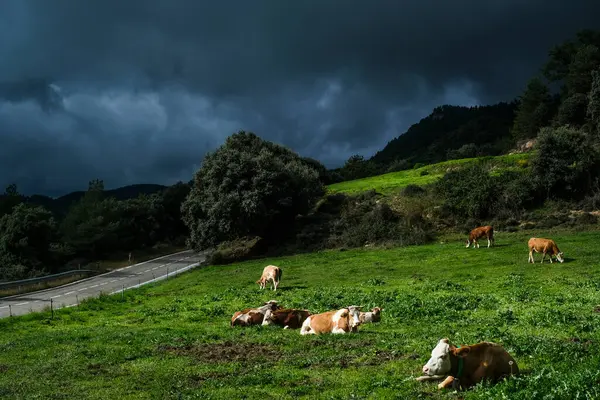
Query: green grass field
[394,181]
[173,340]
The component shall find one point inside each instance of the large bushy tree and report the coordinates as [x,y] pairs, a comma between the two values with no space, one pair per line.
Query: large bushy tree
[248,186]
[565,163]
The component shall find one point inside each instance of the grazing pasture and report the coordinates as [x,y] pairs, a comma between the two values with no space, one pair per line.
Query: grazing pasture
[395,181]
[173,339]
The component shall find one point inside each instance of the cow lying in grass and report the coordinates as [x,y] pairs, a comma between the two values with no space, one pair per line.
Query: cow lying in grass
[338,321]
[270,273]
[253,316]
[481,232]
[287,318]
[466,366]
[370,316]
[544,246]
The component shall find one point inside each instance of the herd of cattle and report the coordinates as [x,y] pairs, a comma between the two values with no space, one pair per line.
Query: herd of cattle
[459,367]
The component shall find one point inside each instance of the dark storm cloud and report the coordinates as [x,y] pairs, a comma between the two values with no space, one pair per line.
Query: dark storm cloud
[144,88]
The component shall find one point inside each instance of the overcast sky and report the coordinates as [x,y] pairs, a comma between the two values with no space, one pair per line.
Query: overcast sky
[137,91]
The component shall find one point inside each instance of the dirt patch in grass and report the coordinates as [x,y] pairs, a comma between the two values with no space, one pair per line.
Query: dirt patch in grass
[96,369]
[226,352]
[3,368]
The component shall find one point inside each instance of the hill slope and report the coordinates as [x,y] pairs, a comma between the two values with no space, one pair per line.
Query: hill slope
[449,128]
[394,181]
[174,340]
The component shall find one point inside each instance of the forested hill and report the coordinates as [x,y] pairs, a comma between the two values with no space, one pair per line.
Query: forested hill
[469,130]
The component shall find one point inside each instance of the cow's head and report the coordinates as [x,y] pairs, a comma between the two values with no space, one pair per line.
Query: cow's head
[560,257]
[377,310]
[269,318]
[354,316]
[439,363]
[273,305]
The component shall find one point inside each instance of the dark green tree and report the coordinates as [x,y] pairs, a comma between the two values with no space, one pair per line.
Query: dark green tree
[91,226]
[534,110]
[565,163]
[593,107]
[248,186]
[26,239]
[572,110]
[560,57]
[169,215]
[583,62]
[9,199]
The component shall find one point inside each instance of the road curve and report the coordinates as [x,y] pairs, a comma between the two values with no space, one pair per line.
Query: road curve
[111,282]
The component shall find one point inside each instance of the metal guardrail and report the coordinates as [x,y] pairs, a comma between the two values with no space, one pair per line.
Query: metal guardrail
[45,278]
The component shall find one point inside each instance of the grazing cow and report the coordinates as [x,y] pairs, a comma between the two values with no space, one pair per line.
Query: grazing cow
[338,321]
[466,366]
[544,246]
[270,273]
[480,232]
[253,316]
[288,318]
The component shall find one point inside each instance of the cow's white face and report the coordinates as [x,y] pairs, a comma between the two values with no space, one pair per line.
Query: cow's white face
[267,320]
[559,257]
[439,363]
[354,317]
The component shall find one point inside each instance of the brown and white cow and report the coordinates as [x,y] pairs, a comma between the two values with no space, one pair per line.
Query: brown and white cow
[481,232]
[270,273]
[544,246]
[465,366]
[253,316]
[288,318]
[338,321]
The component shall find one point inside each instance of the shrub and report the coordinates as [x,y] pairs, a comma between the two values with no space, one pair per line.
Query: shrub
[473,193]
[413,190]
[237,250]
[565,164]
[367,219]
[468,150]
[398,165]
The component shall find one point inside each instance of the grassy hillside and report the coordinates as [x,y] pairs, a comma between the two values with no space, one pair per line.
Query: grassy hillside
[173,340]
[394,181]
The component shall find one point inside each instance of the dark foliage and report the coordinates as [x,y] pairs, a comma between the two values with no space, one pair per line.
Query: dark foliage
[451,127]
[248,187]
[473,193]
[366,219]
[566,163]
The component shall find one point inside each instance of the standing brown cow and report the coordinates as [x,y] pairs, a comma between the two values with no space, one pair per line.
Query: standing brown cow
[544,246]
[480,232]
[270,273]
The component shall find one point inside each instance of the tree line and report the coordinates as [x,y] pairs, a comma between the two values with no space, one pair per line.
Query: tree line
[36,241]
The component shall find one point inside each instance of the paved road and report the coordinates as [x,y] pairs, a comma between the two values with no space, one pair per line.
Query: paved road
[108,283]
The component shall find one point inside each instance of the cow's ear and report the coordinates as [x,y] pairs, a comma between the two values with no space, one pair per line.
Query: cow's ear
[462,352]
